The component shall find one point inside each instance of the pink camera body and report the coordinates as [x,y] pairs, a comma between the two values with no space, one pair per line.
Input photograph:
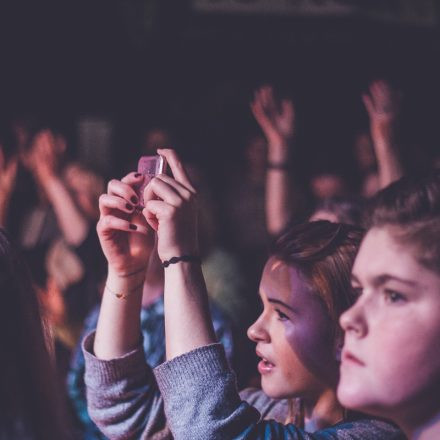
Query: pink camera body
[149,166]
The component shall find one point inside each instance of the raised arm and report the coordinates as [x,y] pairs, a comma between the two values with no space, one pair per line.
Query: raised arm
[127,243]
[383,107]
[122,395]
[170,208]
[43,163]
[277,121]
[8,172]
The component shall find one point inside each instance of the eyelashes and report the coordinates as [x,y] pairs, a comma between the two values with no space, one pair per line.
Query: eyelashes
[281,316]
[392,296]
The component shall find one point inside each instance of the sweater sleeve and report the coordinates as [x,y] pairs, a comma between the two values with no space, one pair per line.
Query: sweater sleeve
[122,396]
[201,402]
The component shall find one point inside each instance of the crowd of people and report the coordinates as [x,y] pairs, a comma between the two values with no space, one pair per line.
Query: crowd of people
[278,310]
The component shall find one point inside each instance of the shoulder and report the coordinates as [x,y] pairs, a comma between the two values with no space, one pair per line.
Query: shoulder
[367,429]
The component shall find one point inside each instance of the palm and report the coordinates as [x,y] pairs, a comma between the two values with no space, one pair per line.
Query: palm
[277,120]
[284,119]
[383,103]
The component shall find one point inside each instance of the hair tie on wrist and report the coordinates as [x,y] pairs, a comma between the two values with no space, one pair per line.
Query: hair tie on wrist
[278,166]
[184,258]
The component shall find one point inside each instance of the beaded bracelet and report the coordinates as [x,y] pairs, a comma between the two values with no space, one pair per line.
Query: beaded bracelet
[184,258]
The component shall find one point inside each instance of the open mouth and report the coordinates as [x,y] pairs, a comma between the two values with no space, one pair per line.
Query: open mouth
[265,366]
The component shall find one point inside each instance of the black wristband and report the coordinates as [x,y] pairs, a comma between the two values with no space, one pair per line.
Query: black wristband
[184,258]
[278,166]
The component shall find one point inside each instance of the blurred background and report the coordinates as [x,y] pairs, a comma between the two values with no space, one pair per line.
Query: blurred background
[110,69]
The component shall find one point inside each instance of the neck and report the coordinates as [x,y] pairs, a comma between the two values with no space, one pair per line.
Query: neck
[428,430]
[322,411]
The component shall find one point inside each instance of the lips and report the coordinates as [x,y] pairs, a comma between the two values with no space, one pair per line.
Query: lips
[265,366]
[350,358]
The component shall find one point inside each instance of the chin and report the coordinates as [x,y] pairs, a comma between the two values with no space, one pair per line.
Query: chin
[352,397]
[274,391]
[278,391]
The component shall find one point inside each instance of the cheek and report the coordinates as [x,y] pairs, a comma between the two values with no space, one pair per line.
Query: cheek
[312,345]
[414,355]
[402,367]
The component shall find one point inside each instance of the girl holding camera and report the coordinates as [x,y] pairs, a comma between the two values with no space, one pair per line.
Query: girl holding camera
[304,288]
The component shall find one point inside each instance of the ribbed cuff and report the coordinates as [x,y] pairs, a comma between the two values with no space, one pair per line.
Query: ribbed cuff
[196,366]
[108,371]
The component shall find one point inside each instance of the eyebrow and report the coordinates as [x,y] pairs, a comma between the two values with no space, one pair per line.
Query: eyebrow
[382,279]
[281,303]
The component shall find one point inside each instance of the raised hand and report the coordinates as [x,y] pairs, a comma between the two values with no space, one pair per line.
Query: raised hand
[383,106]
[276,119]
[171,210]
[44,156]
[126,239]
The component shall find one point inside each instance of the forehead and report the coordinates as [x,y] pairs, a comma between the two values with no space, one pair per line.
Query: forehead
[381,253]
[285,283]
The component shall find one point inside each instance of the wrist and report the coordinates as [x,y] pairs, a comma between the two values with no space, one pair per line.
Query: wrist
[178,251]
[187,258]
[383,128]
[49,178]
[278,153]
[127,279]
[48,182]
[278,149]
[278,163]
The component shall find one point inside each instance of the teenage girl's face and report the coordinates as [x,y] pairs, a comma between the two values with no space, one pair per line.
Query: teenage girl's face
[391,357]
[293,336]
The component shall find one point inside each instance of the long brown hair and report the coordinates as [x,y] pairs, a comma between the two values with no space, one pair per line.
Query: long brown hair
[324,252]
[30,405]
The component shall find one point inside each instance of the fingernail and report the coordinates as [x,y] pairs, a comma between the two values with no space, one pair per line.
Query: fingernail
[138,175]
[133,227]
[129,207]
[134,200]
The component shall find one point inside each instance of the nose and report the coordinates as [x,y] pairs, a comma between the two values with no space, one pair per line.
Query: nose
[353,320]
[257,331]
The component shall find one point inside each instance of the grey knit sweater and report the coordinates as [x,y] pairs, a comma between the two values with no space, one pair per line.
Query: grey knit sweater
[198,395]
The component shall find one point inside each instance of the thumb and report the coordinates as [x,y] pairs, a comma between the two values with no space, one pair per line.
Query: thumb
[151,218]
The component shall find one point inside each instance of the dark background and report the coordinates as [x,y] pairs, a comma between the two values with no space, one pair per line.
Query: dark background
[141,63]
